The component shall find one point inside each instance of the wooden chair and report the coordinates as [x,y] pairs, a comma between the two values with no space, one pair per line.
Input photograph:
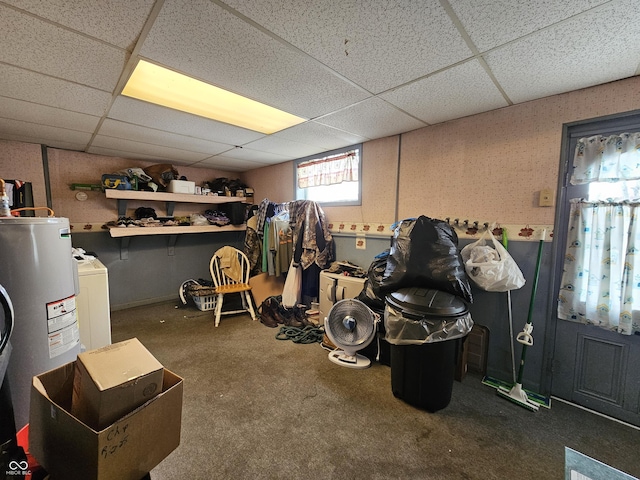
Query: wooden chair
[229,269]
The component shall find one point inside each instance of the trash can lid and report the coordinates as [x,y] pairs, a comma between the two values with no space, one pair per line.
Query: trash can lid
[427,301]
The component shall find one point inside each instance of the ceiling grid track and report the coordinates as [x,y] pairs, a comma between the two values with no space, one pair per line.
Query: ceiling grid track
[476,53]
[131,63]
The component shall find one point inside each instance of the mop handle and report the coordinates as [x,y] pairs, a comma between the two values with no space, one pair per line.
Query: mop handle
[536,275]
[531,303]
[505,242]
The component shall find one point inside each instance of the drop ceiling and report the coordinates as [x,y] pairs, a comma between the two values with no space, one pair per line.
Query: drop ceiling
[356,70]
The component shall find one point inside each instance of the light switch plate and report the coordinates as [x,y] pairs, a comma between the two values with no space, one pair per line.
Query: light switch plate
[546,198]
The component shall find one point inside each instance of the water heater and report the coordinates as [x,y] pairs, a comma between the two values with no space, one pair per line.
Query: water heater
[40,275]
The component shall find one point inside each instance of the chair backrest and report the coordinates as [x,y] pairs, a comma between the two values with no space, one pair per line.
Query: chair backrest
[229,266]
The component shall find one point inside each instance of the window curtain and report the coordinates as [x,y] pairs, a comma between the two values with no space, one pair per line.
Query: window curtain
[607,159]
[329,170]
[601,279]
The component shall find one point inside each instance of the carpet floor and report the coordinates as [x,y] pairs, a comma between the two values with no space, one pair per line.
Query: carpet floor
[260,408]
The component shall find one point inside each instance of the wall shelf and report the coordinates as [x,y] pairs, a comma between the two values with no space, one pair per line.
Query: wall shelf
[122,196]
[119,232]
[125,233]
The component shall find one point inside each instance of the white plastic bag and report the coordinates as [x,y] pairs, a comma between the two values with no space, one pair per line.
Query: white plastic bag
[292,290]
[490,266]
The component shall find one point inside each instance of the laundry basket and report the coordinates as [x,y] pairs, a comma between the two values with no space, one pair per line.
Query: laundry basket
[202,295]
[204,302]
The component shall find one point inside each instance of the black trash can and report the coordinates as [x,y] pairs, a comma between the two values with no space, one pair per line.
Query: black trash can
[425,328]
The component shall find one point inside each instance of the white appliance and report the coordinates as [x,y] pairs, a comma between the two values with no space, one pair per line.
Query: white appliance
[94,317]
[335,287]
[39,273]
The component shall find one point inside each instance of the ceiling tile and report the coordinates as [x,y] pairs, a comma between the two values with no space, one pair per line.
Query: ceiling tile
[113,21]
[37,140]
[166,119]
[557,59]
[44,134]
[114,152]
[37,45]
[127,131]
[365,119]
[253,155]
[146,149]
[281,146]
[37,88]
[490,23]
[378,45]
[321,136]
[457,92]
[55,117]
[223,50]
[229,164]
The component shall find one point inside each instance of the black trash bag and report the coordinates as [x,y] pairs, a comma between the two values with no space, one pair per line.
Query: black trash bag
[372,294]
[424,253]
[145,212]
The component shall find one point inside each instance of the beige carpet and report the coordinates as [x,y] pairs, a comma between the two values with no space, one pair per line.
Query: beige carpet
[259,408]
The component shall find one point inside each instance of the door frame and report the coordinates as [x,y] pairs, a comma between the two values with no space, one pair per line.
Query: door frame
[587,127]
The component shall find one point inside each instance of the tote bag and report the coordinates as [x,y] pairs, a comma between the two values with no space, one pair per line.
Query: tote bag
[292,290]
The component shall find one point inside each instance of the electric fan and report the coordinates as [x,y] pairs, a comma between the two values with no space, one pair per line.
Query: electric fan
[351,326]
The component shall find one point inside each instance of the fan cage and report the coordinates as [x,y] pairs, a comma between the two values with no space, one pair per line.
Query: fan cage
[365,323]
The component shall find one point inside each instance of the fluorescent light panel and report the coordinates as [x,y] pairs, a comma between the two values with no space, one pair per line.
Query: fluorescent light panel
[159,85]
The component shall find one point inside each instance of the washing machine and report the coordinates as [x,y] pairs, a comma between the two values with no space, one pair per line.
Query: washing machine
[94,317]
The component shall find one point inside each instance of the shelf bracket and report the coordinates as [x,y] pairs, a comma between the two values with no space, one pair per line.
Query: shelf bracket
[124,248]
[171,246]
[122,207]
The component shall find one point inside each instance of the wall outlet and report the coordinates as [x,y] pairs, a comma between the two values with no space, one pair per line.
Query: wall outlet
[546,198]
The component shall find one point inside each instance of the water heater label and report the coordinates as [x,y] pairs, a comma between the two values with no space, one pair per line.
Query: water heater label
[62,326]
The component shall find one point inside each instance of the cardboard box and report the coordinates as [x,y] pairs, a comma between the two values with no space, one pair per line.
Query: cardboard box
[181,186]
[113,380]
[126,450]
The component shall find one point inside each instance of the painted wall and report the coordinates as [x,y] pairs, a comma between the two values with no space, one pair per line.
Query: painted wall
[23,161]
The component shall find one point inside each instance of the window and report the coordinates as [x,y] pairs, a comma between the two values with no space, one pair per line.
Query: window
[330,179]
[615,191]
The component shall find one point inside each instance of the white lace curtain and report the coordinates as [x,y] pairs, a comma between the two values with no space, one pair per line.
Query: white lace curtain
[329,170]
[601,278]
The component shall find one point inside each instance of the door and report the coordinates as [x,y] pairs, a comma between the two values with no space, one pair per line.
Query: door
[592,367]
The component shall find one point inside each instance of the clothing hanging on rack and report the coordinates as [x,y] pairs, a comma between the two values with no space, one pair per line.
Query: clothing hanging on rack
[313,242]
[298,231]
[253,246]
[281,238]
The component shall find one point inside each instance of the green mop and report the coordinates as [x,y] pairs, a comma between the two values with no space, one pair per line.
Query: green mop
[541,400]
[517,394]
